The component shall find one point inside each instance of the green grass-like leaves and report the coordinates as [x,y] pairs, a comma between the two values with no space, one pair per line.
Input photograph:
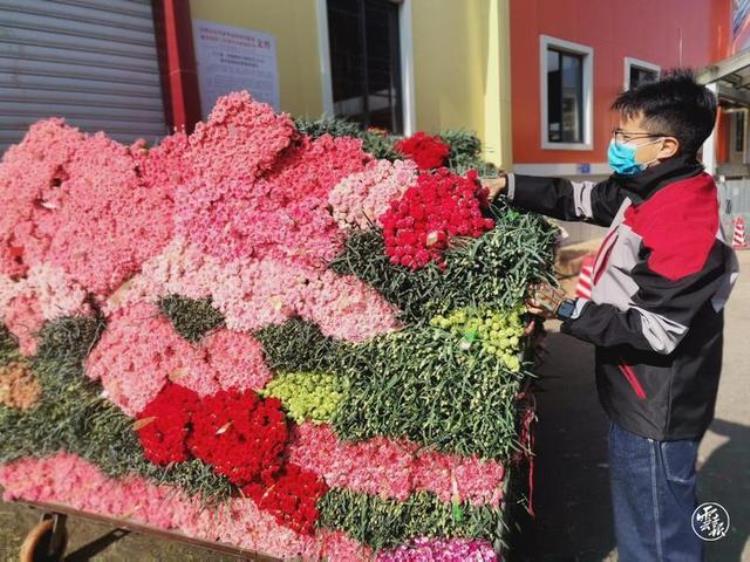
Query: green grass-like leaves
[493,270]
[191,318]
[73,416]
[297,345]
[420,384]
[384,523]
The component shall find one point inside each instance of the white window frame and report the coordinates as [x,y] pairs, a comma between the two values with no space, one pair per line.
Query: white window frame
[630,62]
[405,26]
[545,42]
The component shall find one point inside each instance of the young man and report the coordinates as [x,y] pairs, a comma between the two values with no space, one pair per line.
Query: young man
[661,279]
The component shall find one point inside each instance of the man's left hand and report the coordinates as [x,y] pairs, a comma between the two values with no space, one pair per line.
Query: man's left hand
[544,300]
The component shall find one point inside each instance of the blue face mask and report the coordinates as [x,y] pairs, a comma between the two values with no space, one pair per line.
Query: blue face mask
[622,158]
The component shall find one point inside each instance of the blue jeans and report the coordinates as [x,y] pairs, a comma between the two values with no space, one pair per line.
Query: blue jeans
[653,498]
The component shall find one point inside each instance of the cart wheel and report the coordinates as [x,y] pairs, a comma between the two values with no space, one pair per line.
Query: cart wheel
[46,542]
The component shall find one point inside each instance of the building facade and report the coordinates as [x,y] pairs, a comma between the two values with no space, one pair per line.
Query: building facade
[401,65]
[533,78]
[571,58]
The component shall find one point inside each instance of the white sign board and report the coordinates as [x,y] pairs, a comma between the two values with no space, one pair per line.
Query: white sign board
[233,58]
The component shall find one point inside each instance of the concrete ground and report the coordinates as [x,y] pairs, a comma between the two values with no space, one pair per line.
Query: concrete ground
[571,494]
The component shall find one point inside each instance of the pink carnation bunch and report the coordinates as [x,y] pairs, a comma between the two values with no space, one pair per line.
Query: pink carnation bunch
[62,193]
[255,293]
[31,175]
[140,351]
[44,294]
[67,479]
[241,139]
[395,468]
[23,318]
[441,550]
[361,198]
[282,214]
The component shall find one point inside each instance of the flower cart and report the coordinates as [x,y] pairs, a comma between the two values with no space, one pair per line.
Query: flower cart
[289,339]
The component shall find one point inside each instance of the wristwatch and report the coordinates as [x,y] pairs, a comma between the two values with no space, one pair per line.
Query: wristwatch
[566,309]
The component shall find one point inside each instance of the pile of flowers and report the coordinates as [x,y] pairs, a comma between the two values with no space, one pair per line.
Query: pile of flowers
[240,317]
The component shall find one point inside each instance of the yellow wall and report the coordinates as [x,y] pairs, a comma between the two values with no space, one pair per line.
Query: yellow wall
[461,61]
[293,22]
[462,70]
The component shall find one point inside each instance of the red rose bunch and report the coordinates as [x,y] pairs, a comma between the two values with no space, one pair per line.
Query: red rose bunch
[164,423]
[291,498]
[418,227]
[241,435]
[428,152]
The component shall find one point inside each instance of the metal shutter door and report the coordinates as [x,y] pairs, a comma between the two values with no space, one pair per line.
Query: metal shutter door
[93,62]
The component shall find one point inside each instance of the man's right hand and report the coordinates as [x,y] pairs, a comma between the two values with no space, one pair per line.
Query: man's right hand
[495,186]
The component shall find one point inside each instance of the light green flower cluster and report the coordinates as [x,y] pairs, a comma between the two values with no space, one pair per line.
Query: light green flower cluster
[307,396]
[497,332]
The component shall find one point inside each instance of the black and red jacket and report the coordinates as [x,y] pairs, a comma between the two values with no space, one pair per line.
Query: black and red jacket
[660,282]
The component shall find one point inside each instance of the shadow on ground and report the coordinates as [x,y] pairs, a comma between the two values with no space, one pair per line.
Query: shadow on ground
[724,477]
[573,519]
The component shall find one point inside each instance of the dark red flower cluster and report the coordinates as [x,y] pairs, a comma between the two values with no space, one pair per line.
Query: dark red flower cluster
[164,423]
[242,436]
[418,227]
[291,498]
[428,152]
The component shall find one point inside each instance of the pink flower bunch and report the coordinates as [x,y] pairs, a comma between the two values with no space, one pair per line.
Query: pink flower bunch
[418,227]
[44,294]
[281,215]
[140,351]
[63,193]
[441,550]
[346,308]
[361,198]
[339,547]
[241,523]
[67,479]
[386,467]
[165,165]
[23,318]
[255,293]
[241,139]
[179,269]
[31,174]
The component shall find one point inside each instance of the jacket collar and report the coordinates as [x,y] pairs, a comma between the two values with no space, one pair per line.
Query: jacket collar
[642,186]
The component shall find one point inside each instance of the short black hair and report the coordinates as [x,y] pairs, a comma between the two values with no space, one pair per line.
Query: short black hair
[676,106]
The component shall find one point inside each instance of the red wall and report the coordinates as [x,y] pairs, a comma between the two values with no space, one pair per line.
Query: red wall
[649,30]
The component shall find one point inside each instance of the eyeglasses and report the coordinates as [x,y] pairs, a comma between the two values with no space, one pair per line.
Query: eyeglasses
[620,135]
